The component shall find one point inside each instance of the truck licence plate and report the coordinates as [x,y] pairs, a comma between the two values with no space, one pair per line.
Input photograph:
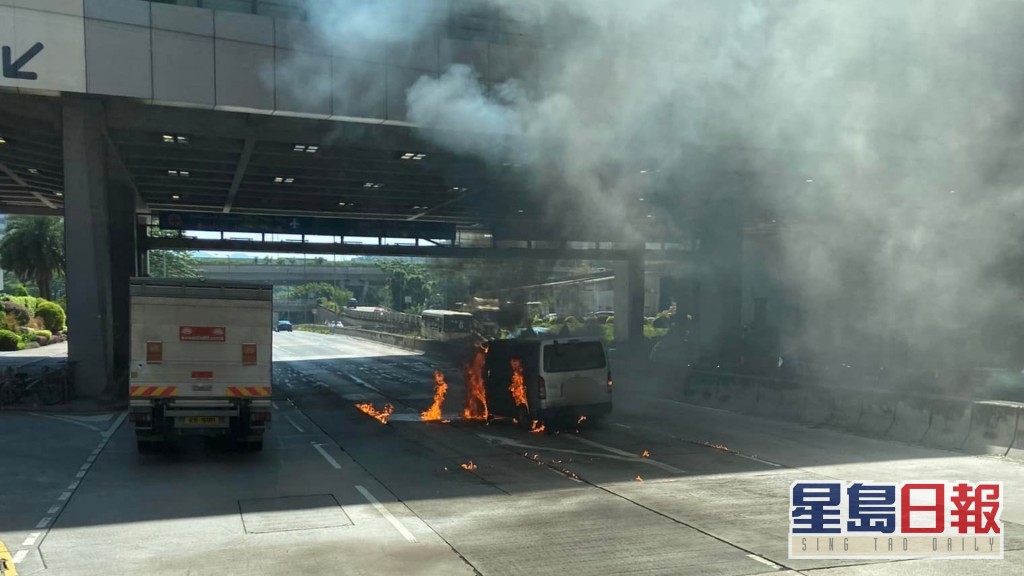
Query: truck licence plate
[201,420]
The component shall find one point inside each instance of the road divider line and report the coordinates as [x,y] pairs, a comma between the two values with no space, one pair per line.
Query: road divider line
[564,475]
[113,427]
[85,466]
[44,522]
[64,496]
[80,474]
[292,422]
[68,421]
[623,453]
[53,509]
[756,459]
[31,540]
[19,556]
[73,486]
[274,405]
[330,459]
[757,558]
[386,514]
[623,426]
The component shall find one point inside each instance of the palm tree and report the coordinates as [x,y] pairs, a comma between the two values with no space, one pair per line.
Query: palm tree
[33,248]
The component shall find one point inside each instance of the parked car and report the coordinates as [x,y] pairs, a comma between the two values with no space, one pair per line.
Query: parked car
[283,326]
[336,324]
[352,303]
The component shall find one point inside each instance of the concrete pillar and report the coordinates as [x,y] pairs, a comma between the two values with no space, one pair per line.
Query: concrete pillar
[121,222]
[629,298]
[720,297]
[87,246]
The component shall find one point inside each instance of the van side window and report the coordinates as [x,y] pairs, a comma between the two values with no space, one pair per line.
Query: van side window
[573,356]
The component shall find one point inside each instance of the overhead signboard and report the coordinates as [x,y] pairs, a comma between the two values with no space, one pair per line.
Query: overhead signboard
[309,226]
[42,45]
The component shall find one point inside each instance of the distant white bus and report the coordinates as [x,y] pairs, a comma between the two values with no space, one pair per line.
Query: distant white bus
[446,324]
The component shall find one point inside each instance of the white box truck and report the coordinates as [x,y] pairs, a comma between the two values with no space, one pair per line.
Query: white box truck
[201,355]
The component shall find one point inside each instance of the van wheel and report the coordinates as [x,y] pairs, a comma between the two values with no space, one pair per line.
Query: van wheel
[523,417]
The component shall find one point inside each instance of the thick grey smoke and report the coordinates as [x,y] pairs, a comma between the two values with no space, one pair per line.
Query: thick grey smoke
[878,138]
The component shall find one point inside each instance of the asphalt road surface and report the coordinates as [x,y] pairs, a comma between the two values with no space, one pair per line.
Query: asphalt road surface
[337,492]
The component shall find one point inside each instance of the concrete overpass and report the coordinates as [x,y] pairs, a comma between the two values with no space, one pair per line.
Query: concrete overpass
[114,112]
[354,278]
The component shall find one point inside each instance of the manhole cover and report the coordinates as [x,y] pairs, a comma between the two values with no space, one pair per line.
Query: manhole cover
[263,515]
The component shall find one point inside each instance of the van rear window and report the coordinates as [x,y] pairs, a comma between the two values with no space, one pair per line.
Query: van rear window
[573,356]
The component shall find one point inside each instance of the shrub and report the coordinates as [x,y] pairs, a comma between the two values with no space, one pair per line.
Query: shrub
[9,341]
[29,302]
[27,335]
[20,290]
[43,337]
[16,312]
[52,316]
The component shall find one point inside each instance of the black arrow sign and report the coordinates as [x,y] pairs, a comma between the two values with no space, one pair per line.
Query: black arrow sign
[13,69]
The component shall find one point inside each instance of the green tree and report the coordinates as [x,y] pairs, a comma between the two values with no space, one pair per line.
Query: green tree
[406,280]
[327,295]
[172,263]
[33,248]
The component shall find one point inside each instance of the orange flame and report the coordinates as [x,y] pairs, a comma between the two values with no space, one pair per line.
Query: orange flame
[476,395]
[380,415]
[721,447]
[537,427]
[469,466]
[638,478]
[581,421]
[440,389]
[646,454]
[516,387]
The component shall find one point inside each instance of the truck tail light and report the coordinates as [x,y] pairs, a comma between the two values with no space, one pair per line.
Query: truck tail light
[249,354]
[542,388]
[609,380]
[154,352]
[260,416]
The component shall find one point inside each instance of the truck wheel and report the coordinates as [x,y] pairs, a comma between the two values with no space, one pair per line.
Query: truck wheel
[148,447]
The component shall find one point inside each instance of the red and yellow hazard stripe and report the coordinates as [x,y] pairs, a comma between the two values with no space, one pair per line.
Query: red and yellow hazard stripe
[153,391]
[249,391]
